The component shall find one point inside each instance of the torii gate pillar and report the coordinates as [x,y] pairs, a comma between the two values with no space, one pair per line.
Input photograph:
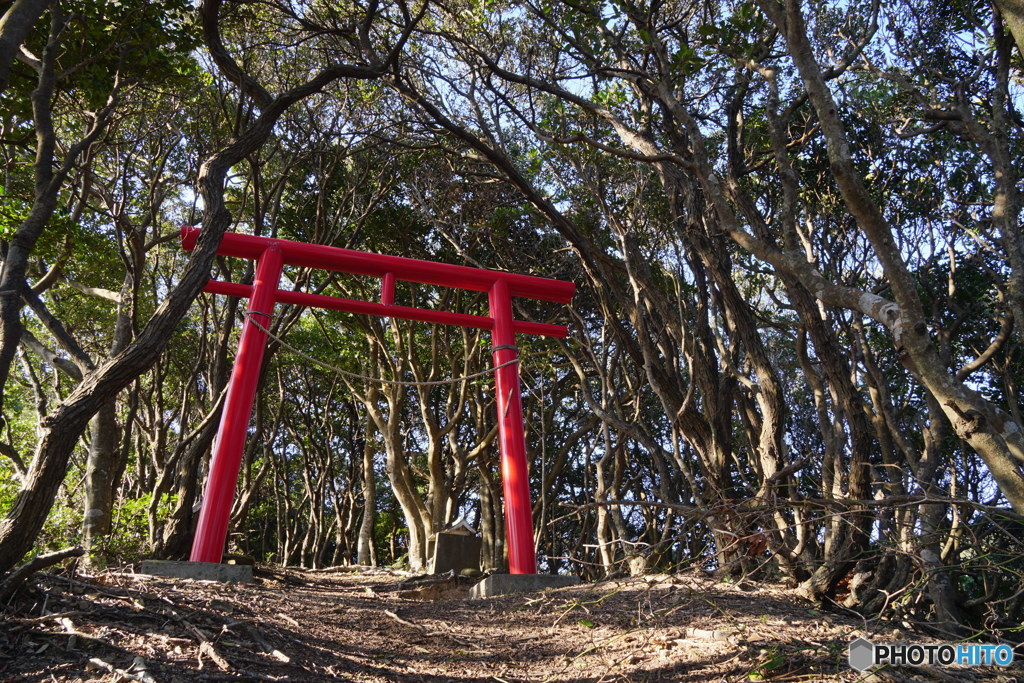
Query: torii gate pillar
[215,516]
[522,558]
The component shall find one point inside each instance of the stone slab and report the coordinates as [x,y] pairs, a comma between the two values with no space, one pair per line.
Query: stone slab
[203,571]
[455,552]
[502,584]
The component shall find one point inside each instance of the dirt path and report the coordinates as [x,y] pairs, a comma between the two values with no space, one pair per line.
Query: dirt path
[302,626]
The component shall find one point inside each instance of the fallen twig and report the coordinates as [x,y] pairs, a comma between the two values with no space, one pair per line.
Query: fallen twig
[21,574]
[289,619]
[402,621]
[341,569]
[255,634]
[139,664]
[426,631]
[29,621]
[71,630]
[110,591]
[206,648]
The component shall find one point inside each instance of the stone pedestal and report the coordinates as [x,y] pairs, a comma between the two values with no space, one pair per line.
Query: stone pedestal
[204,571]
[501,584]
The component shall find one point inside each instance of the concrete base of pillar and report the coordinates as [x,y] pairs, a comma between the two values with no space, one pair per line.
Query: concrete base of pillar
[501,584]
[203,571]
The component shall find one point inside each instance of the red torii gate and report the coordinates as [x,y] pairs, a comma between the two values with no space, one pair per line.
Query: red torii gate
[271,255]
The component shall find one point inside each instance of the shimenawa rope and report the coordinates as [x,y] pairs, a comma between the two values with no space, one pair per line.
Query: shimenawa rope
[453,380]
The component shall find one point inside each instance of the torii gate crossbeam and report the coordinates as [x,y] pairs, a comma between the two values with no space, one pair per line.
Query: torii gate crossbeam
[271,255]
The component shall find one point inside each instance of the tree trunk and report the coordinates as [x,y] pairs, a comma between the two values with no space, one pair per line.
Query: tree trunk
[101,464]
[1012,12]
[365,554]
[176,541]
[15,26]
[492,532]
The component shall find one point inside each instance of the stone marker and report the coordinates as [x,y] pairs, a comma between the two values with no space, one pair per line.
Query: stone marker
[455,552]
[455,549]
[501,584]
[203,571]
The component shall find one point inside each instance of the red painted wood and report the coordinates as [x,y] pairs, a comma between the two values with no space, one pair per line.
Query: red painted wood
[403,312]
[387,289]
[377,265]
[212,531]
[515,475]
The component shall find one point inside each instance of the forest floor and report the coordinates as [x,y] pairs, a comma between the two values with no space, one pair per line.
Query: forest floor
[294,625]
